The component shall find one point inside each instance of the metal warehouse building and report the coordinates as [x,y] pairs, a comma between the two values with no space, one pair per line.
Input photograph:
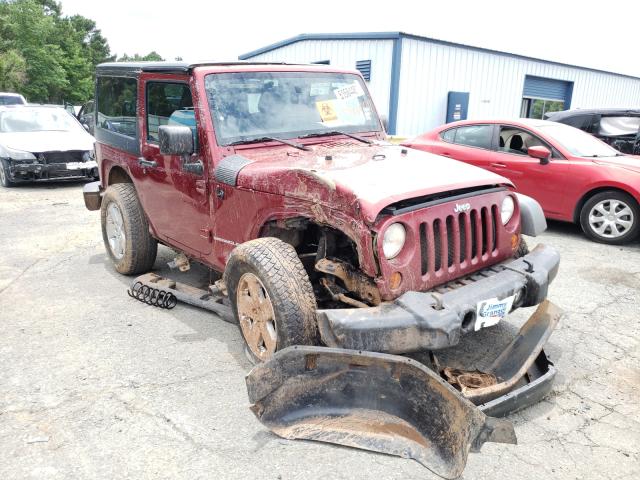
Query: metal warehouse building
[420,83]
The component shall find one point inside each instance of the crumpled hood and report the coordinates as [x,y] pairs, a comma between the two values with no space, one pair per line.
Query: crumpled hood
[373,176]
[49,141]
[627,162]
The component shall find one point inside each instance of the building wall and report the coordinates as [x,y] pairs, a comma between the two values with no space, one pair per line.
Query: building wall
[344,54]
[495,83]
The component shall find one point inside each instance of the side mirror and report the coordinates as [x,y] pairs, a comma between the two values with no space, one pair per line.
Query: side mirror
[540,152]
[86,127]
[175,140]
[385,122]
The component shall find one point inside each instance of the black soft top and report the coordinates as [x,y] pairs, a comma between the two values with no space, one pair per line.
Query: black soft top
[134,68]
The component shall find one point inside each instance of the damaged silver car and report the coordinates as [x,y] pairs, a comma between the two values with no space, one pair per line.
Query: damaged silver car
[43,143]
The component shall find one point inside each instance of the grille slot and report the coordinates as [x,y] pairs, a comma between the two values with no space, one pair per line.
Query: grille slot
[451,241]
[437,244]
[62,157]
[424,249]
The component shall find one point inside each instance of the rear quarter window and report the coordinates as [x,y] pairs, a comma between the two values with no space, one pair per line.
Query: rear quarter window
[116,105]
[448,135]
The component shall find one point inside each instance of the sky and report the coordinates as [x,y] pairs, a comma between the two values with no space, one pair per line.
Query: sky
[585,33]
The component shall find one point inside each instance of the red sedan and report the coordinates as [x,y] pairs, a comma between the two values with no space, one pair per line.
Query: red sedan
[574,176]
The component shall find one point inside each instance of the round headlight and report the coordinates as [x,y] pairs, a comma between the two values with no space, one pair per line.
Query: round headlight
[393,240]
[507,209]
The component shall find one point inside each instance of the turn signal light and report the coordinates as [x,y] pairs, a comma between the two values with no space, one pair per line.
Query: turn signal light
[395,281]
[515,241]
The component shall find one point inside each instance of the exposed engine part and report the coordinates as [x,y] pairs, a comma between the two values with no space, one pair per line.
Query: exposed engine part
[218,288]
[152,296]
[181,262]
[354,281]
[337,295]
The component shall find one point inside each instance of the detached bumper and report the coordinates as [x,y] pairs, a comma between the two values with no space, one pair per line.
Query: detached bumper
[429,321]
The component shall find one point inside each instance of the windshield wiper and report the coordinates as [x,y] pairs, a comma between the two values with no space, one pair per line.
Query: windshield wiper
[274,139]
[338,132]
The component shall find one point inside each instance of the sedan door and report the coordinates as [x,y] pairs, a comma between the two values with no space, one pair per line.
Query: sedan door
[547,183]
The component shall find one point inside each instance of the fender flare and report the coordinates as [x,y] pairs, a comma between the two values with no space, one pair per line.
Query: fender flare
[532,220]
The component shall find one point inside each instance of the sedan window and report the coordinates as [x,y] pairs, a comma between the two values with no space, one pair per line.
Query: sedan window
[474,136]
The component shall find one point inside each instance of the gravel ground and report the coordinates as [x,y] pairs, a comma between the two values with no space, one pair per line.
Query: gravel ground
[96,385]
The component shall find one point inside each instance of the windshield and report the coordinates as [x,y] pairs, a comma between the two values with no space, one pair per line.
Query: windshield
[248,106]
[11,100]
[37,120]
[577,142]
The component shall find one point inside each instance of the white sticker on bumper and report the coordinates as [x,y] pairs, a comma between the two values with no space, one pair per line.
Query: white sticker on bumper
[489,312]
[81,165]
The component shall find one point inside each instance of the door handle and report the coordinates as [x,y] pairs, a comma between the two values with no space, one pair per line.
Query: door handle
[498,165]
[201,186]
[445,154]
[143,162]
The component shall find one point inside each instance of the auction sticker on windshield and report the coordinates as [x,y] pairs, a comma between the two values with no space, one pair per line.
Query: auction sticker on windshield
[490,312]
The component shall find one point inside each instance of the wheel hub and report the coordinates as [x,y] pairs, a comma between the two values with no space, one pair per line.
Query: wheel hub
[257,317]
[611,218]
[115,231]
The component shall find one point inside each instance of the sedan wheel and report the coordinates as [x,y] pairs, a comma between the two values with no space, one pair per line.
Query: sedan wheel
[610,217]
[4,175]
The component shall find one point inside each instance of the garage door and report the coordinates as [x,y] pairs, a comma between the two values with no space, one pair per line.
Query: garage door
[545,95]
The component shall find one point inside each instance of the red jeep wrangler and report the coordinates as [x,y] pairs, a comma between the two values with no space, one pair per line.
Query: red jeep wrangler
[279,178]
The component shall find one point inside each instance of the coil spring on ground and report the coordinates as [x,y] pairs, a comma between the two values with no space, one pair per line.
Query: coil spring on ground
[152,296]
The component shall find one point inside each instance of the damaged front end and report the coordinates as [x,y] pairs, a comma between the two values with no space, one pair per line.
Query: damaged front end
[396,405]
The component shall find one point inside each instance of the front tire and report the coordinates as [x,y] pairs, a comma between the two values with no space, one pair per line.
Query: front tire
[611,217]
[271,297]
[125,230]
[4,174]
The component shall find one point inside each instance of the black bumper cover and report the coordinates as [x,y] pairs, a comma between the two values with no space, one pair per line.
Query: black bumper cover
[418,321]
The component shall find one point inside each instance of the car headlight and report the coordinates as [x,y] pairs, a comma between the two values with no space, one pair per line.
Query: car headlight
[507,209]
[393,240]
[16,154]
[88,156]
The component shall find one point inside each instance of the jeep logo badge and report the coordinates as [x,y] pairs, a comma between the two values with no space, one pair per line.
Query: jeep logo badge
[462,207]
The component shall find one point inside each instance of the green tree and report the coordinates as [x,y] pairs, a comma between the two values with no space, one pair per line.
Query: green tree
[13,71]
[149,57]
[58,53]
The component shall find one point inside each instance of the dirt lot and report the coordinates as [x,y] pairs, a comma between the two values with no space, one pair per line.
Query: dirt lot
[96,385]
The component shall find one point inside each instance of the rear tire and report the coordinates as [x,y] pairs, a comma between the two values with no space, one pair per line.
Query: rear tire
[611,217]
[271,297]
[4,174]
[125,230]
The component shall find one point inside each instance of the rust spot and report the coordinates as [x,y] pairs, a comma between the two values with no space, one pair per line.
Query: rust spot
[469,379]
[311,361]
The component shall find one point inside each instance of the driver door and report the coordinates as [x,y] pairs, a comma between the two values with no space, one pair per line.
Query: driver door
[545,183]
[174,198]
